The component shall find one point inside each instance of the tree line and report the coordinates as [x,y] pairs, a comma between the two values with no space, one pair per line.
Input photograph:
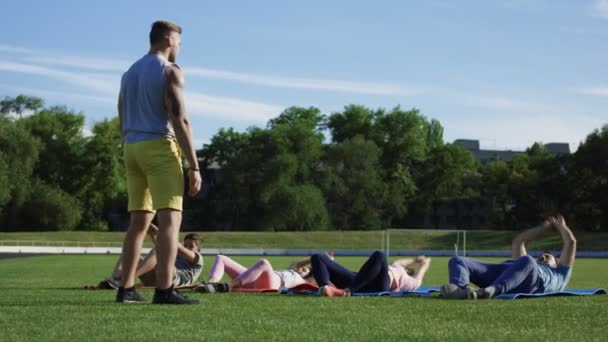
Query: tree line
[359,168]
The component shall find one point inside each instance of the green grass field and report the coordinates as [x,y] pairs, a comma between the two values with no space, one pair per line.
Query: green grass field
[42,300]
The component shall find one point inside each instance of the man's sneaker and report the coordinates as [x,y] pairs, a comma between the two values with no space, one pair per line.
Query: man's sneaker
[331,291]
[171,296]
[129,296]
[483,293]
[108,284]
[451,291]
[212,288]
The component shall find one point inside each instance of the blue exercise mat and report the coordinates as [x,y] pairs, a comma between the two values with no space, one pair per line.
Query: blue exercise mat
[423,291]
[568,292]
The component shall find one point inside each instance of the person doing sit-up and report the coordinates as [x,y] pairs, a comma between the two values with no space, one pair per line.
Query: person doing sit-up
[522,274]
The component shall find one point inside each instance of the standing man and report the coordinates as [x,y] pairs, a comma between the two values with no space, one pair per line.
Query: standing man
[152,117]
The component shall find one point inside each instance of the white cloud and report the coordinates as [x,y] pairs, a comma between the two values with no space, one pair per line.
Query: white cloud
[119,65]
[600,8]
[502,103]
[13,49]
[99,83]
[370,88]
[103,64]
[594,91]
[58,95]
[230,108]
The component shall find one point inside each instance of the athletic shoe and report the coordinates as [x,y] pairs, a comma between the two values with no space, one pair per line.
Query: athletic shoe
[108,284]
[451,291]
[482,293]
[171,296]
[332,291]
[212,288]
[129,296]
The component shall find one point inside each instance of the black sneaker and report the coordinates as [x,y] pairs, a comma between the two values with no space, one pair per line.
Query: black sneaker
[108,284]
[212,288]
[171,296]
[129,296]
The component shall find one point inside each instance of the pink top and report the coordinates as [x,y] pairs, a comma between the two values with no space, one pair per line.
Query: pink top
[405,282]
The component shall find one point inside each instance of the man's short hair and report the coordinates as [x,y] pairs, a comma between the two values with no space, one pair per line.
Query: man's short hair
[193,236]
[161,28]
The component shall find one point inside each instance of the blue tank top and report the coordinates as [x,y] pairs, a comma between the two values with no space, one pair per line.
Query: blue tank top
[554,279]
[142,90]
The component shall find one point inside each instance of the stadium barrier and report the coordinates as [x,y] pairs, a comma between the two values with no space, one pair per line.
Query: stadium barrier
[29,250]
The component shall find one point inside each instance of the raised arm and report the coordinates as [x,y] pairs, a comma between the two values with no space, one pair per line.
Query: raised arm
[424,264]
[404,262]
[175,106]
[568,241]
[187,254]
[519,246]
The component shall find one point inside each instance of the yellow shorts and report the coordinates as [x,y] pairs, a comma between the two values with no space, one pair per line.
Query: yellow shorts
[155,178]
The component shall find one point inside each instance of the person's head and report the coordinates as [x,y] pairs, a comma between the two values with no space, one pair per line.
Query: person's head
[166,35]
[192,241]
[304,272]
[547,258]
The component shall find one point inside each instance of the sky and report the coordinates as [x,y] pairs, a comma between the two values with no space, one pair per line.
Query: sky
[508,73]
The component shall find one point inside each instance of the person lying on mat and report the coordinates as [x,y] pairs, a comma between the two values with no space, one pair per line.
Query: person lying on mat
[259,276]
[376,275]
[188,264]
[522,274]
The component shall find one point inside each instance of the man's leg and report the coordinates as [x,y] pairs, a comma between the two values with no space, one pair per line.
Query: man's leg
[131,251]
[520,277]
[463,271]
[169,222]
[326,270]
[373,275]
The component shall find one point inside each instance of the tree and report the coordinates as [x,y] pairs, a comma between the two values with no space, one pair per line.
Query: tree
[589,181]
[356,193]
[450,172]
[19,152]
[104,185]
[20,104]
[60,161]
[49,208]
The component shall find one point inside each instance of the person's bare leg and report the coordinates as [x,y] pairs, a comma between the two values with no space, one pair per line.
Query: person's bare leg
[131,250]
[117,271]
[148,264]
[169,222]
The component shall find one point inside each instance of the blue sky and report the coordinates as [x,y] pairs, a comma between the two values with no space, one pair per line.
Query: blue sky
[505,72]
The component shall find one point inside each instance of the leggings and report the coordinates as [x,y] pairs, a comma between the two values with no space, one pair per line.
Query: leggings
[512,276]
[372,276]
[259,276]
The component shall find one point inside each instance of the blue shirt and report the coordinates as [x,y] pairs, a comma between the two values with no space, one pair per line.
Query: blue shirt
[554,279]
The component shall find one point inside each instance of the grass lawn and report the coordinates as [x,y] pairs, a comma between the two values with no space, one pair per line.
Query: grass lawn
[41,299]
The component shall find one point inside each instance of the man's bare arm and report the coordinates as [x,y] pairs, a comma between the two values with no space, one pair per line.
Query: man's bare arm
[187,254]
[568,240]
[520,243]
[174,103]
[120,119]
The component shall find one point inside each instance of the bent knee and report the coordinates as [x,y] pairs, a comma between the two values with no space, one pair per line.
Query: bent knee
[456,261]
[378,255]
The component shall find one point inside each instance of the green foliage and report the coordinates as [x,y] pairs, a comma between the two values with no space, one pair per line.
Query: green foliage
[20,104]
[18,156]
[589,178]
[356,192]
[50,208]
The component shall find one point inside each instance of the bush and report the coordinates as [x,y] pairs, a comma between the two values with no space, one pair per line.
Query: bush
[50,208]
